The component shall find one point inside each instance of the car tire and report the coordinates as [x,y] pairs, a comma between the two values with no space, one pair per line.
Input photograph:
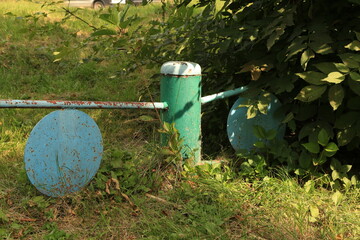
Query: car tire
[98,5]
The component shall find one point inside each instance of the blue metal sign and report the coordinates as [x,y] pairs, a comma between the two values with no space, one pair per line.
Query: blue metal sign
[63,152]
[240,129]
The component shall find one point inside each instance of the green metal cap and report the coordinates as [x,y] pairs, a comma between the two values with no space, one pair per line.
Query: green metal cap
[180,68]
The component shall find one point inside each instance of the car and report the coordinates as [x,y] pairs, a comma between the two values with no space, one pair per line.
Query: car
[96,4]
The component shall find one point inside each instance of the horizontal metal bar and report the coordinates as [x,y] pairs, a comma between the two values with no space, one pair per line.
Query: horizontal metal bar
[223,95]
[81,104]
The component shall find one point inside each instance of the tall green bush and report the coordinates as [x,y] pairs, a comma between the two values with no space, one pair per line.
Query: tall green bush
[305,52]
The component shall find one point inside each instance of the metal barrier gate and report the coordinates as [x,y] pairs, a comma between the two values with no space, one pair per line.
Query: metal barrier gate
[64,150]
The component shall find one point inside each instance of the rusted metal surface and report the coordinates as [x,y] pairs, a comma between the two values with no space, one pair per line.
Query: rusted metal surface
[80,104]
[63,152]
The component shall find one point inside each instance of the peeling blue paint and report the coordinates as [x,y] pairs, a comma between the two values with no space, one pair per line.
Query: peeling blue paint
[63,152]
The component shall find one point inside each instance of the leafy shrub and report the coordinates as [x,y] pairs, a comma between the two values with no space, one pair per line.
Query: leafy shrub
[304,52]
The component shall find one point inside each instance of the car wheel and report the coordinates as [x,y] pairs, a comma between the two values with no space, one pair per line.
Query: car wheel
[98,5]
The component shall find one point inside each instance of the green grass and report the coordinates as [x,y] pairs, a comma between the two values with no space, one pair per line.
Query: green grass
[272,209]
[179,205]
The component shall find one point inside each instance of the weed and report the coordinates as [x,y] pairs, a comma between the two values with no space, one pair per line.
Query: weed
[55,233]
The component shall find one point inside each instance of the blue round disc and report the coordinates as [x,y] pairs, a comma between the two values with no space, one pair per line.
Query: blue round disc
[240,130]
[63,152]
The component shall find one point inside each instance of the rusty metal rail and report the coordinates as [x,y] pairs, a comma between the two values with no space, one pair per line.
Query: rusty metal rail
[81,104]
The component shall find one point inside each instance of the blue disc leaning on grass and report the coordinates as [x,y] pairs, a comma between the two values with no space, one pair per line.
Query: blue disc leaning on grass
[63,152]
[240,130]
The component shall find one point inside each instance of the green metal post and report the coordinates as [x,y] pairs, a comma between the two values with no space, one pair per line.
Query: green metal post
[181,90]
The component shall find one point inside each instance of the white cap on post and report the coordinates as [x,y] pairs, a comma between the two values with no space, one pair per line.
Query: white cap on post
[180,68]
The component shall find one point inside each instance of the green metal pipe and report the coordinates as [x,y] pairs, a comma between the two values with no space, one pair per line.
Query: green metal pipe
[181,90]
[223,95]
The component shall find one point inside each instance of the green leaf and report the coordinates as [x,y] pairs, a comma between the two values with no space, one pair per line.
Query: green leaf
[354,45]
[260,145]
[314,211]
[347,182]
[323,137]
[167,127]
[263,103]
[350,60]
[296,46]
[124,21]
[331,147]
[342,67]
[292,125]
[335,164]
[312,77]
[305,57]
[336,96]
[309,186]
[307,130]
[259,131]
[354,86]
[271,134]
[337,197]
[321,48]
[312,147]
[334,77]
[310,93]
[319,160]
[289,117]
[167,151]
[146,118]
[263,107]
[344,136]
[104,32]
[251,112]
[326,67]
[328,154]
[300,172]
[335,185]
[355,76]
[354,180]
[345,168]
[275,36]
[110,18]
[336,175]
[180,48]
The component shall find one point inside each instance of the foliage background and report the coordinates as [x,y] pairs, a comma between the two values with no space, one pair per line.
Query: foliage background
[304,52]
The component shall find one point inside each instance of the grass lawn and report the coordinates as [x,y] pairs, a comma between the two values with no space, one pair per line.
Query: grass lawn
[153,199]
